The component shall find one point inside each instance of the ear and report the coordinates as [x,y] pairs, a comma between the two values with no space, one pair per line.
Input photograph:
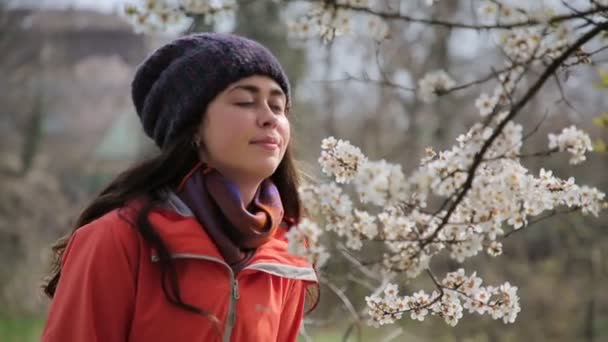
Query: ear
[196,141]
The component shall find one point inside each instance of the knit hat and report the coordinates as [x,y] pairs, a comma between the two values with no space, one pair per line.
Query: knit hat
[173,86]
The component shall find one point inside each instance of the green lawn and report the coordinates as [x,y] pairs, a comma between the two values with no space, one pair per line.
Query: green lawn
[29,329]
[20,329]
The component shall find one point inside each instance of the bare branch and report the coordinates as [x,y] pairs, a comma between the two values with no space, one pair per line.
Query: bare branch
[382,83]
[457,25]
[542,218]
[366,271]
[347,303]
[535,129]
[545,153]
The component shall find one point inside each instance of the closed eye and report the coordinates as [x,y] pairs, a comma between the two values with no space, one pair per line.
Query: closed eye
[277,109]
[245,104]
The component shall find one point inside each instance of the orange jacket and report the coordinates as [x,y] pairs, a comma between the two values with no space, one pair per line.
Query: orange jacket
[110,287]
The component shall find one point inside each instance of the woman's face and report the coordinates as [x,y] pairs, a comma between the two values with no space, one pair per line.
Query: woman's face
[245,130]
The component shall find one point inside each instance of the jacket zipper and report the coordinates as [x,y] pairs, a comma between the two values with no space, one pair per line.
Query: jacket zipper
[234,289]
[234,286]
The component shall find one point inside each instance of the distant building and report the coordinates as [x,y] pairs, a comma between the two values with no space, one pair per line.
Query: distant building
[68,36]
[79,64]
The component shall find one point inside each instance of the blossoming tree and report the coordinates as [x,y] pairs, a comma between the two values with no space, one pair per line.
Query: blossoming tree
[460,201]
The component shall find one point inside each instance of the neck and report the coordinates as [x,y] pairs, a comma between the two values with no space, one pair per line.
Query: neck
[247,190]
[247,186]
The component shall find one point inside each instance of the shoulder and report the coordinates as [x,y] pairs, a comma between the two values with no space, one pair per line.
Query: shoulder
[111,236]
[116,225]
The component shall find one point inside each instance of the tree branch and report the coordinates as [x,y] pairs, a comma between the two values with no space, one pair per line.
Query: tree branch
[452,25]
[517,107]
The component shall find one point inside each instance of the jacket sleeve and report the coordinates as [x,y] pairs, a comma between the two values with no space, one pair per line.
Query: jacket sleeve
[94,299]
[293,313]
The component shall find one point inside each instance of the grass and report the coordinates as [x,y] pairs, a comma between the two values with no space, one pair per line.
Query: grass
[336,333]
[29,329]
[21,329]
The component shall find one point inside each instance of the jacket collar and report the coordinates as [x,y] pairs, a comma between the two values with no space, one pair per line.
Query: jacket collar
[182,233]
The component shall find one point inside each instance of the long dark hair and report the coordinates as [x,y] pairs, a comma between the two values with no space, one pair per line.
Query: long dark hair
[146,181]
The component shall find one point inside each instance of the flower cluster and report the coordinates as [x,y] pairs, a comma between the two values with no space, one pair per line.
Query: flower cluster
[304,240]
[502,94]
[341,159]
[527,43]
[380,183]
[156,15]
[322,20]
[433,84]
[486,104]
[457,293]
[573,141]
[329,20]
[164,15]
[503,193]
[327,202]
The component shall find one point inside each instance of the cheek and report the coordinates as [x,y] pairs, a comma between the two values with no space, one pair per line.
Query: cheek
[224,132]
[220,140]
[284,130]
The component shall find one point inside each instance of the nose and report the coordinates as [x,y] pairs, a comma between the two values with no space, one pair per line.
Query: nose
[267,118]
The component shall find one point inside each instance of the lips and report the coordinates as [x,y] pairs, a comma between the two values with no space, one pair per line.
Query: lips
[266,141]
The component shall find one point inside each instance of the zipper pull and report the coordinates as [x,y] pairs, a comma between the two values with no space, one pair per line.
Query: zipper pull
[235,289]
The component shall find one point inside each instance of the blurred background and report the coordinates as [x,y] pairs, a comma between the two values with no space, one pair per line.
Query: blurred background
[67,126]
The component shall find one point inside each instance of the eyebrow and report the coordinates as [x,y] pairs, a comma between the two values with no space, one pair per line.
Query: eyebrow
[256,90]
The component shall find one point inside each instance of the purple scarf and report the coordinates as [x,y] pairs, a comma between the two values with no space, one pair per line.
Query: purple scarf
[216,203]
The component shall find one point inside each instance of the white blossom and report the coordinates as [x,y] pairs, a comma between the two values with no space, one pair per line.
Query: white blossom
[521,45]
[340,159]
[326,22]
[303,240]
[485,104]
[495,248]
[488,10]
[156,16]
[381,183]
[433,84]
[459,292]
[365,224]
[573,141]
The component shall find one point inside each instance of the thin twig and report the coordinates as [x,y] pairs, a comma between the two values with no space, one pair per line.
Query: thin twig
[453,25]
[544,153]
[382,83]
[535,129]
[563,95]
[598,50]
[577,11]
[342,296]
[366,271]
[347,303]
[542,218]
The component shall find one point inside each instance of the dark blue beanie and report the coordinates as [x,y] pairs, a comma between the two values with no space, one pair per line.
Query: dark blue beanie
[173,86]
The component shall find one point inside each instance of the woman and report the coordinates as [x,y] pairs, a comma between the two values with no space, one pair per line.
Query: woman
[188,245]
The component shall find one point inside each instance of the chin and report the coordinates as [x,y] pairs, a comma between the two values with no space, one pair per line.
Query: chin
[265,170]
